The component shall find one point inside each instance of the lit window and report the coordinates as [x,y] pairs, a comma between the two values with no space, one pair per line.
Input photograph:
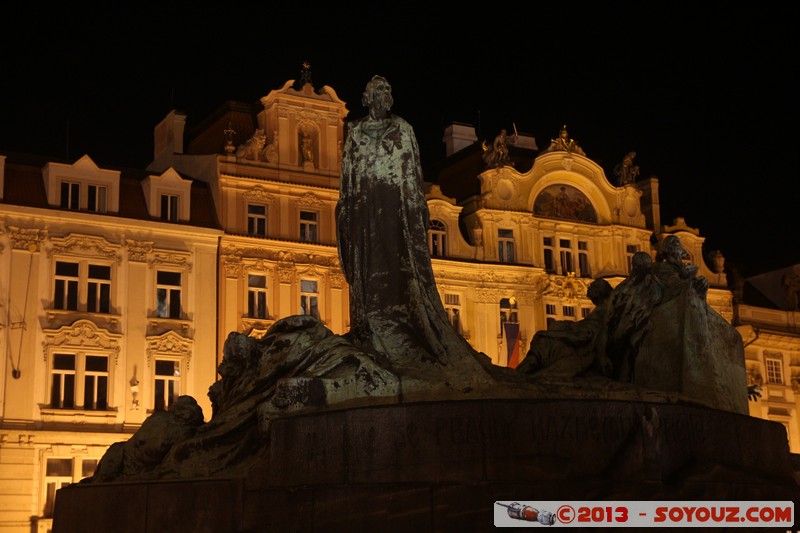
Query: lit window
[70,195]
[309,298]
[505,245]
[169,207]
[257,220]
[79,376]
[308,226]
[437,238]
[774,370]
[97,198]
[168,294]
[508,310]
[167,383]
[256,296]
[452,305]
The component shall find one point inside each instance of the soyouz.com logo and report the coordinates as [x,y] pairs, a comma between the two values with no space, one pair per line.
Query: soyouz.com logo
[644,514]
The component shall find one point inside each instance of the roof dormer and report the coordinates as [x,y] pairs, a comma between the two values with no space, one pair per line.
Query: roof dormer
[168,196]
[82,185]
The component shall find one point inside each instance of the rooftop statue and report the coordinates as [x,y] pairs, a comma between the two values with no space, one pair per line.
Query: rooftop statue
[496,155]
[626,172]
[563,143]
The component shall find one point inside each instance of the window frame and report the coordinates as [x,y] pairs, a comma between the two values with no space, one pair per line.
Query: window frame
[506,249]
[309,228]
[312,298]
[80,376]
[72,292]
[437,238]
[253,219]
[168,308]
[169,206]
[253,298]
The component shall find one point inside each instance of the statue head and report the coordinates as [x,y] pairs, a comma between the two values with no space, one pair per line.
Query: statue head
[598,291]
[378,96]
[672,251]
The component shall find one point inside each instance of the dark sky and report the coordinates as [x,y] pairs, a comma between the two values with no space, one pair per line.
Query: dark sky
[699,90]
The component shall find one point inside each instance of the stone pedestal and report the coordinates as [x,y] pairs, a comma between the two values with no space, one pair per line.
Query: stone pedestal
[441,466]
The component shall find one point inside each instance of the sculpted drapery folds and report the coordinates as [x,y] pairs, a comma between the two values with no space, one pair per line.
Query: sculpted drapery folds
[382,222]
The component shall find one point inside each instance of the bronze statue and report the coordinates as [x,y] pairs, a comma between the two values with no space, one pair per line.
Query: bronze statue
[382,222]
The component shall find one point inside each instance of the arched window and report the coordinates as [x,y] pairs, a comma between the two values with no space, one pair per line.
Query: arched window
[437,238]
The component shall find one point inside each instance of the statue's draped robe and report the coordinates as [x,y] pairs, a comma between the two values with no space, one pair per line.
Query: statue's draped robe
[382,223]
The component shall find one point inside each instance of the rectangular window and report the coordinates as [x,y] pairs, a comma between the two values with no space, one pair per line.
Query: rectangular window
[168,294]
[508,310]
[97,198]
[74,377]
[66,287]
[62,391]
[256,296]
[452,305]
[565,250]
[95,383]
[630,251]
[774,370]
[98,297]
[169,207]
[58,474]
[569,311]
[70,195]
[257,220]
[550,309]
[585,312]
[308,226]
[167,383]
[437,238]
[583,259]
[309,298]
[549,257]
[505,245]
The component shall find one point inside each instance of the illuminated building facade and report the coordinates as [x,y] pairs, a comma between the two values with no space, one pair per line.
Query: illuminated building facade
[120,287]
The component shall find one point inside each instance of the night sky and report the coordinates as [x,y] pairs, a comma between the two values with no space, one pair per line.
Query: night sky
[699,90]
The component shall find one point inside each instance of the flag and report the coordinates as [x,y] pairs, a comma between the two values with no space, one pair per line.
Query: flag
[512,343]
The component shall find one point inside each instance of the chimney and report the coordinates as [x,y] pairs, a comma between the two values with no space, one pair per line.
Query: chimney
[458,136]
[168,135]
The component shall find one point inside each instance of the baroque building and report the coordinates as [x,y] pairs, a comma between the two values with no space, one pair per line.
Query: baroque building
[119,287]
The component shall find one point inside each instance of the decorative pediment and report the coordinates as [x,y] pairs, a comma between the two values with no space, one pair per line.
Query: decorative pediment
[171,259]
[258,194]
[82,334]
[85,246]
[169,343]
[309,199]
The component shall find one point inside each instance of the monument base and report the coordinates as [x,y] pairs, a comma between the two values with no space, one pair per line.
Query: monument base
[441,466]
